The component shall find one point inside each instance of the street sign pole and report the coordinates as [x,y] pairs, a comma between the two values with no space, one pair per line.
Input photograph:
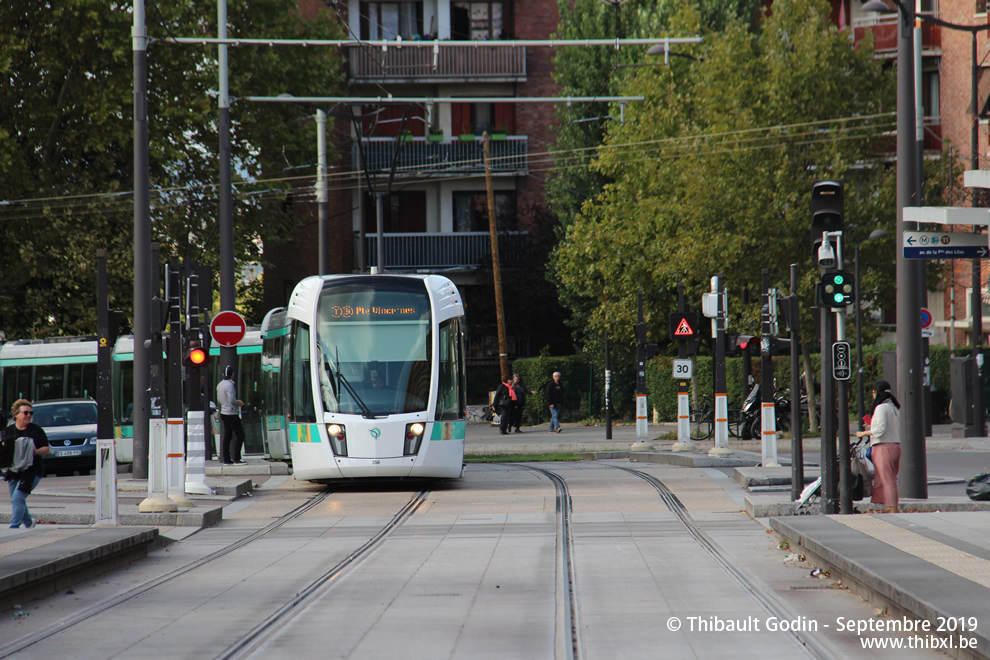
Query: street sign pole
[683,399]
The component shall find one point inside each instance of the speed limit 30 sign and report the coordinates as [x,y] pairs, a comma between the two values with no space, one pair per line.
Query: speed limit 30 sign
[683,369]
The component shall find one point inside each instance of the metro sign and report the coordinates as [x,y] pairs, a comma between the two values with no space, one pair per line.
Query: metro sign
[228,328]
[944,245]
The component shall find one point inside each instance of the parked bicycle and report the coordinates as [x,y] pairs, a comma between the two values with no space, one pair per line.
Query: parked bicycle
[701,423]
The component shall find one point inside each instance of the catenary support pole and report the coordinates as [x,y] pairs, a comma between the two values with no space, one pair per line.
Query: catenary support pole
[228,355]
[142,245]
[913,479]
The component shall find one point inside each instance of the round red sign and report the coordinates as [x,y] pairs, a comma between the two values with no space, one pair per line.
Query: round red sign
[228,328]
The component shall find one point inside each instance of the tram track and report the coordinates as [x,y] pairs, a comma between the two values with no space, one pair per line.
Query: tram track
[257,635]
[567,642]
[812,642]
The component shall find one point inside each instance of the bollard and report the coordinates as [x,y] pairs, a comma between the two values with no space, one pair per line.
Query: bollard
[196,459]
[176,463]
[157,500]
[106,484]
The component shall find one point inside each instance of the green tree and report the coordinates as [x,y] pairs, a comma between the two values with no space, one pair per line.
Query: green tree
[599,71]
[711,174]
[66,144]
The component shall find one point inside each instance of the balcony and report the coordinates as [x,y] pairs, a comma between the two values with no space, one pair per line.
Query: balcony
[422,251]
[479,63]
[885,34]
[419,156]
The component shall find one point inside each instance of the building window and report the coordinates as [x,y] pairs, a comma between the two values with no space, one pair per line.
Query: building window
[471,211]
[404,212]
[476,21]
[389,20]
[981,6]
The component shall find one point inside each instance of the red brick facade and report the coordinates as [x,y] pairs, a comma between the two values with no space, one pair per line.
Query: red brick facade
[287,263]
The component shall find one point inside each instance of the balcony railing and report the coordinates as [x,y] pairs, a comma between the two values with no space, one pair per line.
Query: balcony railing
[448,64]
[439,251]
[885,33]
[419,156]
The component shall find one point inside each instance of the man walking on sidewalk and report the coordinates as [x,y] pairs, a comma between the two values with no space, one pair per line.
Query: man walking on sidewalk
[555,399]
[230,416]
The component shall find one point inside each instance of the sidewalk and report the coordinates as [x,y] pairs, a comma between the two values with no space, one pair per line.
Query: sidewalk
[931,562]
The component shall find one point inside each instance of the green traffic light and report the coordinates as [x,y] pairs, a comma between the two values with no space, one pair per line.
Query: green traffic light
[838,298]
[837,279]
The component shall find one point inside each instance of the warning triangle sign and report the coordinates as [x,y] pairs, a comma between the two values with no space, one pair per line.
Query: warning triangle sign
[683,329]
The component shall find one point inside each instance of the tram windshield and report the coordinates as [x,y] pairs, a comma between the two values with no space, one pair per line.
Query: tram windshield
[374,347]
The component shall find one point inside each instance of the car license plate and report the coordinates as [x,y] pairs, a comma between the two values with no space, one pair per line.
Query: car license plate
[69,452]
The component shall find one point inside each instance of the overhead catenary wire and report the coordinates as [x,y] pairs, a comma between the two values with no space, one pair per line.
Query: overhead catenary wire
[673,147]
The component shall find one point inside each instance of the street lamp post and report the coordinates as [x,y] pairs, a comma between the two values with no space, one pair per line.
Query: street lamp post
[860,410]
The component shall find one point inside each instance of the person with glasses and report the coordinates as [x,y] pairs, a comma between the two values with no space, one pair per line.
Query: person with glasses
[27,472]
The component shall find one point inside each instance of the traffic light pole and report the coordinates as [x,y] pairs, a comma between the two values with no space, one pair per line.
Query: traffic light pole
[828,459]
[797,447]
[768,425]
[721,447]
[683,388]
[643,353]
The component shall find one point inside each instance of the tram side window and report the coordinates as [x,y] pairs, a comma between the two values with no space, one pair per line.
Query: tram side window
[303,409]
[451,399]
[48,381]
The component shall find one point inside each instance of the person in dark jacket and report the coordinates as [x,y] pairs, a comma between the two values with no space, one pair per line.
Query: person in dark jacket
[505,396]
[520,402]
[21,483]
[555,399]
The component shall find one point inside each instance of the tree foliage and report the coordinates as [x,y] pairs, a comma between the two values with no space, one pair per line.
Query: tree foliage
[599,71]
[711,174]
[67,148]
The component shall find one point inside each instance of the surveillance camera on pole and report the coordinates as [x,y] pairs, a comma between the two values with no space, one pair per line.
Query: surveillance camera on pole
[826,255]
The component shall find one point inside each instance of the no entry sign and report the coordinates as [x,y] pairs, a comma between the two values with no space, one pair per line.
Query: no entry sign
[228,328]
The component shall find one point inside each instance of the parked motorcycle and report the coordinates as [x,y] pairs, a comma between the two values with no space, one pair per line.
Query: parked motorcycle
[752,413]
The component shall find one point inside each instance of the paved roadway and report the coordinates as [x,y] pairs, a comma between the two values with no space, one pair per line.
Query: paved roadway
[475,570]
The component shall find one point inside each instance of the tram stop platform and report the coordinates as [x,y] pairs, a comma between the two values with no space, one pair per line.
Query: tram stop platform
[64,547]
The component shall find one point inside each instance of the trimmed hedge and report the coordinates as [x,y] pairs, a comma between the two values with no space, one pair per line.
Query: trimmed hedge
[584,385]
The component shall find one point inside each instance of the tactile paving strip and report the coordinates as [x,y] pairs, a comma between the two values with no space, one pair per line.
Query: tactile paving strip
[37,540]
[944,556]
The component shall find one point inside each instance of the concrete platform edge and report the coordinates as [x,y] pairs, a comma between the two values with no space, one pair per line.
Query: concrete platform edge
[872,586]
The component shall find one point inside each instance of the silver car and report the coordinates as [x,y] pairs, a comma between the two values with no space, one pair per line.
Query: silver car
[70,425]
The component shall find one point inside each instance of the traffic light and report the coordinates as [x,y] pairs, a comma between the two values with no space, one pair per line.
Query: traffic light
[827,211]
[735,342]
[649,349]
[838,289]
[196,356]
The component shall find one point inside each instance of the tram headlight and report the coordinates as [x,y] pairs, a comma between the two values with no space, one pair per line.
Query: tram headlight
[414,438]
[338,439]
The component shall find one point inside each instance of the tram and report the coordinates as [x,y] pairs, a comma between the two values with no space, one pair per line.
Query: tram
[65,367]
[364,376]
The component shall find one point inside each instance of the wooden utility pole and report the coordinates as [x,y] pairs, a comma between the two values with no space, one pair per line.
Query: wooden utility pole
[503,356]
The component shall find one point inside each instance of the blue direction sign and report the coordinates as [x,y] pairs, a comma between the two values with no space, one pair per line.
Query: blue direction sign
[945,245]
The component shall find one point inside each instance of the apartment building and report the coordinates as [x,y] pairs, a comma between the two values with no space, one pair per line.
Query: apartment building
[947,69]
[424,161]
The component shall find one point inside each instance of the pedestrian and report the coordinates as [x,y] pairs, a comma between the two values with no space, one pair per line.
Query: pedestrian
[517,409]
[230,417]
[505,396]
[885,444]
[31,445]
[555,399]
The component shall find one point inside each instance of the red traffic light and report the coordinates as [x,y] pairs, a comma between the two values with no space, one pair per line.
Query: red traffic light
[196,356]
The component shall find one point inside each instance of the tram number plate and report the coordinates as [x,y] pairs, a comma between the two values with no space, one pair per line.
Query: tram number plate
[69,452]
